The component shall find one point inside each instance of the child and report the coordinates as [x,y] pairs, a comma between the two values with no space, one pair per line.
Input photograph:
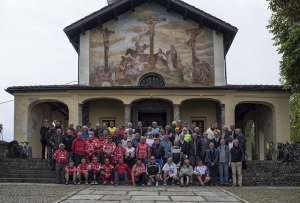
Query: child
[71,172]
[184,173]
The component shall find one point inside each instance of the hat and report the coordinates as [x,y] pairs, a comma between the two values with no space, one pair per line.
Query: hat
[45,120]
[154,122]
[174,122]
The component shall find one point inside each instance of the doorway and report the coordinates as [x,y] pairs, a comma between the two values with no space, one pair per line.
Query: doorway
[148,118]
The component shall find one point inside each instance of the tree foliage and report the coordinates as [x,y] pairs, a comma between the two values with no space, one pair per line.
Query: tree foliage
[285,26]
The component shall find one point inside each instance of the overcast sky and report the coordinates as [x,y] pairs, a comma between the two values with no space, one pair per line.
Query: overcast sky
[35,51]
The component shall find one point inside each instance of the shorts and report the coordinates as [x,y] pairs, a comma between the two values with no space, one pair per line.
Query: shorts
[203,178]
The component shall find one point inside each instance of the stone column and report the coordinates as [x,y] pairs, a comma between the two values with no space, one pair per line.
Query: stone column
[127,113]
[176,108]
[222,115]
[80,114]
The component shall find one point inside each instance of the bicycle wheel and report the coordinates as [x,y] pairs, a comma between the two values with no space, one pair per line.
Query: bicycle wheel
[297,155]
[15,151]
[279,156]
[21,151]
[29,153]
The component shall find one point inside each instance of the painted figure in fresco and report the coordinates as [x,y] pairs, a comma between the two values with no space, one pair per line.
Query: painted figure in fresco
[151,22]
[188,73]
[194,34]
[161,60]
[106,33]
[172,58]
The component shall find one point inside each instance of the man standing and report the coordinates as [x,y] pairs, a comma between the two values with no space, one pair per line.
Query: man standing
[155,130]
[99,148]
[200,135]
[129,126]
[43,131]
[143,151]
[138,173]
[124,141]
[85,133]
[117,137]
[107,172]
[129,154]
[71,127]
[68,141]
[119,153]
[158,152]
[210,131]
[137,140]
[176,153]
[204,146]
[170,172]
[232,128]
[94,171]
[97,131]
[224,162]
[212,158]
[240,137]
[167,146]
[194,150]
[187,135]
[121,171]
[140,129]
[90,148]
[109,150]
[153,172]
[55,141]
[60,156]
[226,133]
[111,127]
[78,147]
[184,147]
[237,157]
[49,134]
[89,127]
[130,134]
[216,140]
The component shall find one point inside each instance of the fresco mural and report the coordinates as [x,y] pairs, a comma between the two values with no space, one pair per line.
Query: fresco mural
[150,40]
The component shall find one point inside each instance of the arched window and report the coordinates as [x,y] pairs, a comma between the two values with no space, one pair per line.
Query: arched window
[152,81]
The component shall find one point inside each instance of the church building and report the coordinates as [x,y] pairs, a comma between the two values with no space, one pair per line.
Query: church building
[154,60]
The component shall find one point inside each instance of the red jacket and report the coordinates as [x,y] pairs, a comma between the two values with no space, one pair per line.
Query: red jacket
[119,153]
[94,166]
[121,168]
[90,146]
[61,157]
[78,146]
[109,149]
[99,145]
[143,151]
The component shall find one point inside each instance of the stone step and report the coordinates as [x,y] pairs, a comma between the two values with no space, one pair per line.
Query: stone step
[27,180]
[18,160]
[14,171]
[47,176]
[6,167]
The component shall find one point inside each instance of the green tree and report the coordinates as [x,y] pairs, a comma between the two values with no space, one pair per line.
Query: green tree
[285,26]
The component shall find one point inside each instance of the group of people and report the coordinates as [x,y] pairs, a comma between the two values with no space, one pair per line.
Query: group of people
[175,153]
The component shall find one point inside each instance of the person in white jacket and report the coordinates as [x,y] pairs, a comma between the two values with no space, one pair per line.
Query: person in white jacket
[202,173]
[170,172]
[210,131]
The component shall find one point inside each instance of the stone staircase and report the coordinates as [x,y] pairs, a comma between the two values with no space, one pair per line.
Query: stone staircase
[259,173]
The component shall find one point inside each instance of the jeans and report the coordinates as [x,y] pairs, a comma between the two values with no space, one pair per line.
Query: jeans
[194,160]
[223,172]
[93,173]
[100,157]
[213,173]
[139,178]
[78,159]
[60,173]
[70,157]
[118,176]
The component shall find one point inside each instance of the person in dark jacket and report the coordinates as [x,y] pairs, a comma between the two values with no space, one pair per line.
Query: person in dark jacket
[212,157]
[184,147]
[241,138]
[97,130]
[68,141]
[140,129]
[117,137]
[216,140]
[153,172]
[204,146]
[58,126]
[43,131]
[226,132]
[55,140]
[237,158]
[194,148]
[49,134]
[158,152]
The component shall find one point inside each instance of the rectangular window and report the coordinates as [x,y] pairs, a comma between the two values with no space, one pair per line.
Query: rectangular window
[107,120]
[199,122]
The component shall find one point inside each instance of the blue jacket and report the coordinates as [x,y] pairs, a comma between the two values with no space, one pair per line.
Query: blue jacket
[167,145]
[210,159]
[85,136]
[155,132]
[135,142]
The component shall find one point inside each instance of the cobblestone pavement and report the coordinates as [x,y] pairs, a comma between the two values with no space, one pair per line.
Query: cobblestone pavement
[34,193]
[130,194]
[267,194]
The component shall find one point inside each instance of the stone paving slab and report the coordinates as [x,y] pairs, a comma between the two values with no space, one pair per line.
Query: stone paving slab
[178,193]
[87,197]
[105,192]
[138,201]
[85,192]
[116,197]
[221,198]
[89,201]
[140,193]
[211,194]
[190,199]
[142,198]
[129,188]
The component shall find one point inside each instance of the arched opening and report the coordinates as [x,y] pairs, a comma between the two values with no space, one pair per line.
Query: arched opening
[37,113]
[152,80]
[256,120]
[149,110]
[102,110]
[201,112]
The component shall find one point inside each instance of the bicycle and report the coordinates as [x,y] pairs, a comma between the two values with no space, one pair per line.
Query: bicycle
[26,150]
[279,154]
[15,148]
[286,152]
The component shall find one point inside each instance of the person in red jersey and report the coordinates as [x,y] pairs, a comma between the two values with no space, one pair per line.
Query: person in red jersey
[121,171]
[121,129]
[60,156]
[99,148]
[94,171]
[143,151]
[90,148]
[119,152]
[70,172]
[107,172]
[109,149]
[82,171]
[78,147]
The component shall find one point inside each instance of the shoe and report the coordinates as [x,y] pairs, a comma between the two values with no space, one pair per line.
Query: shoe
[104,183]
[240,186]
[173,184]
[86,183]
[116,185]
[67,183]
[233,185]
[186,185]
[202,184]
[165,184]
[92,183]
[156,184]
[182,185]
[112,183]
[74,183]
[79,183]
[143,185]
[96,183]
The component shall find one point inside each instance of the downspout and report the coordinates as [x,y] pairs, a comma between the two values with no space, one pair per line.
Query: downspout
[225,64]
